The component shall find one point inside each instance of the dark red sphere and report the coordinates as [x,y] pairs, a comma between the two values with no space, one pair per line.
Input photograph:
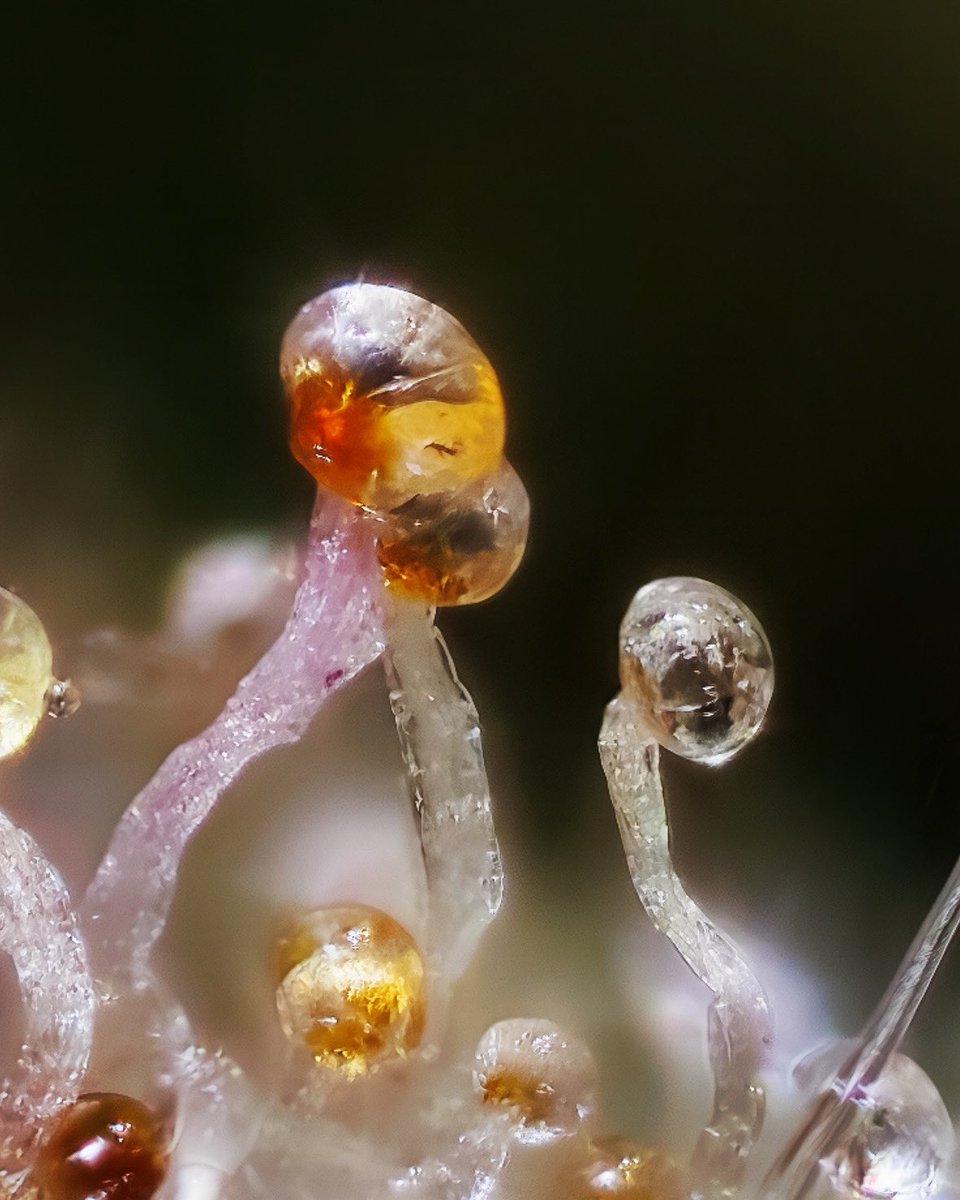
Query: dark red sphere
[104,1147]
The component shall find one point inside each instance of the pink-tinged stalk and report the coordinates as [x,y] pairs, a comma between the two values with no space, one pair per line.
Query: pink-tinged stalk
[333,632]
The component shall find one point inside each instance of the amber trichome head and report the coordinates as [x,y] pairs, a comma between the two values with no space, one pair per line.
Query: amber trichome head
[457,548]
[697,664]
[390,396]
[106,1146]
[351,988]
[543,1078]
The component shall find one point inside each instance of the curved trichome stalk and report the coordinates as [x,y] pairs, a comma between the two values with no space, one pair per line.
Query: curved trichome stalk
[332,633]
[439,732]
[739,1027]
[38,929]
[796,1171]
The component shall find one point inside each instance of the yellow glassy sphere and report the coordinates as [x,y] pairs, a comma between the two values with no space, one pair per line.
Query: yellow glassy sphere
[351,988]
[26,672]
[390,396]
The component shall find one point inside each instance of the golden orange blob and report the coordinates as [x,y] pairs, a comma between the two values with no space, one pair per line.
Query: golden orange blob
[103,1147]
[390,396]
[351,988]
[627,1171]
[533,1100]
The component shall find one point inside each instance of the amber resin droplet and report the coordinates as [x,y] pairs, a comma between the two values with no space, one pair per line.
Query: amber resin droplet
[627,1171]
[26,671]
[457,548]
[389,395]
[542,1076]
[104,1147]
[351,988]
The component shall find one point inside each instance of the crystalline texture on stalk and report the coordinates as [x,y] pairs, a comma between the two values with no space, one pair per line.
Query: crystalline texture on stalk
[38,929]
[440,737]
[331,635]
[739,1027]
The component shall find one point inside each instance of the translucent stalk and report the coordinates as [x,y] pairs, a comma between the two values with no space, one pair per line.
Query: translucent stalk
[796,1171]
[332,634]
[439,734]
[739,1020]
[219,1118]
[38,929]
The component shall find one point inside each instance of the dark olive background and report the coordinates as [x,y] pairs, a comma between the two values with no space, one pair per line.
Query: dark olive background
[712,250]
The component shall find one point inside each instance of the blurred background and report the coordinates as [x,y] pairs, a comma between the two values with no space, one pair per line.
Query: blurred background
[712,251]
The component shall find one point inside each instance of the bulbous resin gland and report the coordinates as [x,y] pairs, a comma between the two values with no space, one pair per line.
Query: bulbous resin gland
[626,1171]
[351,988]
[26,672]
[457,547]
[546,1079]
[697,663]
[902,1140]
[103,1147]
[389,395]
